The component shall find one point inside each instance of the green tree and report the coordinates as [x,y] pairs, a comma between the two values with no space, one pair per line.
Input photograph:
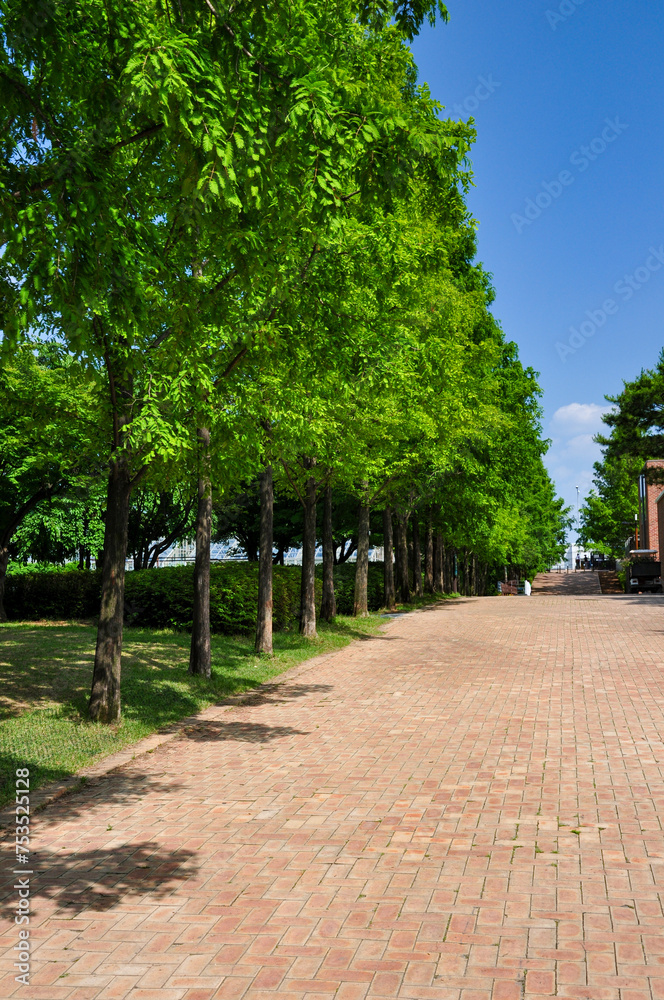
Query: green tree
[610,511]
[141,178]
[47,438]
[636,423]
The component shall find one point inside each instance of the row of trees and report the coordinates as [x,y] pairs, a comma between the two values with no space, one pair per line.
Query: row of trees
[636,434]
[237,258]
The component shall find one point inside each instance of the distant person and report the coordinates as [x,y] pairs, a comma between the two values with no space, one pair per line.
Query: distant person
[578,562]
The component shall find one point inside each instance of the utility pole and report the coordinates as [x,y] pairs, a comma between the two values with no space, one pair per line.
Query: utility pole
[578,520]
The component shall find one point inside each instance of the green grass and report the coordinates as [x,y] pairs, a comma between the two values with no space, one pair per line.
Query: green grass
[47,669]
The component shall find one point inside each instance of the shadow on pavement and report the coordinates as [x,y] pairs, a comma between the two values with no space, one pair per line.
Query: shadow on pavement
[100,879]
[576,583]
[275,694]
[246,732]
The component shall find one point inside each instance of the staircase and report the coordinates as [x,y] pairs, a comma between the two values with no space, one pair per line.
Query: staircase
[609,582]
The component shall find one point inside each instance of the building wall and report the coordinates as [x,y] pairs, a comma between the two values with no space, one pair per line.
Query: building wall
[652,514]
[660,523]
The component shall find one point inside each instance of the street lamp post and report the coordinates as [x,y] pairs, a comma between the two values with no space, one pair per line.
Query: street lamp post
[578,520]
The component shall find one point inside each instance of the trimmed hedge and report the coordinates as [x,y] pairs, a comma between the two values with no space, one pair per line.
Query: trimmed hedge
[344,587]
[58,595]
[163,598]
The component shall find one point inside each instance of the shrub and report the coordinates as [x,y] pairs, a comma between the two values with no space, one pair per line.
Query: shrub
[54,594]
[163,598]
[344,586]
[17,568]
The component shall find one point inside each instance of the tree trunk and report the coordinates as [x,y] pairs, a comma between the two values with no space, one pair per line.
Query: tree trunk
[4,562]
[360,604]
[398,573]
[345,553]
[451,582]
[252,549]
[200,654]
[264,621]
[439,564]
[403,585]
[328,608]
[389,594]
[466,588]
[308,584]
[105,695]
[417,558]
[428,557]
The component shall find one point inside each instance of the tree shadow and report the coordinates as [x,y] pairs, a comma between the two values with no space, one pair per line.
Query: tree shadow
[123,786]
[40,665]
[278,694]
[641,599]
[247,732]
[100,879]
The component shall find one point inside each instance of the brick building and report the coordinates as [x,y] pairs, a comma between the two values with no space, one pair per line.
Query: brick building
[651,508]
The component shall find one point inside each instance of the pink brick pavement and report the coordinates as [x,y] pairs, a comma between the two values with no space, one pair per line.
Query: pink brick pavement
[466,806]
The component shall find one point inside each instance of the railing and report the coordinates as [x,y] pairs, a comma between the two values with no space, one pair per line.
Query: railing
[513,588]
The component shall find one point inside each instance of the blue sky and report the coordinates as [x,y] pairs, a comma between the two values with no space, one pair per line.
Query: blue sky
[567,101]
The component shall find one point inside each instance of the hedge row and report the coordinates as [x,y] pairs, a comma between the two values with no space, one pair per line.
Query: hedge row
[163,598]
[344,587]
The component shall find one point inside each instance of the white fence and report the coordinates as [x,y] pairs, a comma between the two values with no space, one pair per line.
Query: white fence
[184,554]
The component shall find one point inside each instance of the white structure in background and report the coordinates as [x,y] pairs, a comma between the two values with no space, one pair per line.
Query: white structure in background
[294,556]
[184,554]
[569,560]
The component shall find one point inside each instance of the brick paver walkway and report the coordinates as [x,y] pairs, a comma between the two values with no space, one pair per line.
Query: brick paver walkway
[465,807]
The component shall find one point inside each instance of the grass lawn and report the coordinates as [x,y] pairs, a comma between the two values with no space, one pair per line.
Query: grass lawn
[46,669]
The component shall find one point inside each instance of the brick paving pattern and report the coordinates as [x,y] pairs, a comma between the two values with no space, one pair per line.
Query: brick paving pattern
[465,807]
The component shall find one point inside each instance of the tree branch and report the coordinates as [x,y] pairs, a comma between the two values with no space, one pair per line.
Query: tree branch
[42,494]
[143,134]
[48,181]
[232,365]
[141,474]
[156,550]
[297,492]
[246,51]
[224,281]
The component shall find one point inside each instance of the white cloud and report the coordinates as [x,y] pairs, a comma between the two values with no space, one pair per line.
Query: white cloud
[573,452]
[582,446]
[576,418]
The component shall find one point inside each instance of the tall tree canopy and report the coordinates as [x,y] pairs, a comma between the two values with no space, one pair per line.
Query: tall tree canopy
[247,230]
